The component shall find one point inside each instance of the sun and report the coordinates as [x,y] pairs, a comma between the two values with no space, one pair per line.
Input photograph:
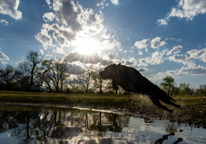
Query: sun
[88,46]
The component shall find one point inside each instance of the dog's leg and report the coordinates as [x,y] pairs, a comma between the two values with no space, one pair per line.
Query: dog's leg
[155,101]
[168,101]
[114,85]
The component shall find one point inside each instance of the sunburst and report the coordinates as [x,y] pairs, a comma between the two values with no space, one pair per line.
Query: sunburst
[88,46]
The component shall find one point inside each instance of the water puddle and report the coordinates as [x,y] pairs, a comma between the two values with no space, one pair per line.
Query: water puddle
[20,124]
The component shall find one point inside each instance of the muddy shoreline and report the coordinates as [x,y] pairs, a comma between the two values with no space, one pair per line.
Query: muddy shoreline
[184,115]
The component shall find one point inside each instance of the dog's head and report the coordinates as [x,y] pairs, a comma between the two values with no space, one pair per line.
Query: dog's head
[110,71]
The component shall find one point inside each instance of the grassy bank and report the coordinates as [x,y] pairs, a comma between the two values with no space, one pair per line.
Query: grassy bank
[193,108]
[195,102]
[63,98]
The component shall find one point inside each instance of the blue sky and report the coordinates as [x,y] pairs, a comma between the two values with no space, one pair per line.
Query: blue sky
[160,38]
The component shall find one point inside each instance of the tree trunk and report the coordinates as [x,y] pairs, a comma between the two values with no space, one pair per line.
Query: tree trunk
[32,75]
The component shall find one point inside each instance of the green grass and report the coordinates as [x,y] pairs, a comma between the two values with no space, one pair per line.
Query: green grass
[60,98]
[196,102]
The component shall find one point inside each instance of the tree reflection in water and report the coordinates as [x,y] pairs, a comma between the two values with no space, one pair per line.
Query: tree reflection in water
[59,126]
[29,125]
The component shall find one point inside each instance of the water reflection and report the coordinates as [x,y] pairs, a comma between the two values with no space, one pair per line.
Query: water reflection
[86,127]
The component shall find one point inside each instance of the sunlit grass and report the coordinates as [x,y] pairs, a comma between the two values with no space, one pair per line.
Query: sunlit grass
[60,98]
[196,102]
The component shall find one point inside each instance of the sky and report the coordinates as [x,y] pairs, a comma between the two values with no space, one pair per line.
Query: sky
[157,37]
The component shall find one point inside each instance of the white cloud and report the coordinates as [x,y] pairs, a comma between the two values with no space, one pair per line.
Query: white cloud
[181,59]
[61,34]
[67,13]
[48,2]
[142,44]
[163,21]
[129,62]
[186,9]
[48,16]
[69,22]
[60,50]
[199,70]
[41,51]
[161,75]
[107,44]
[198,54]
[115,2]
[48,55]
[111,56]
[140,52]
[10,7]
[44,38]
[3,56]
[174,39]
[4,22]
[102,4]
[194,70]
[155,59]
[154,43]
[175,50]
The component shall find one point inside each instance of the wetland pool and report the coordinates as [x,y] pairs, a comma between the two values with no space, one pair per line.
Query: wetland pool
[40,125]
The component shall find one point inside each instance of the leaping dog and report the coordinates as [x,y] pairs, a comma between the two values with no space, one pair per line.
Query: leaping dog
[132,81]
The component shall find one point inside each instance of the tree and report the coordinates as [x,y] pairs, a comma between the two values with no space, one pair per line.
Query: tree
[85,79]
[9,75]
[24,68]
[108,86]
[58,73]
[168,84]
[98,81]
[74,84]
[42,70]
[202,89]
[185,89]
[34,59]
[28,67]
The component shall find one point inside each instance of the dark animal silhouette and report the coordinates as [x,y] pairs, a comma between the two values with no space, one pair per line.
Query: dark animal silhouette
[165,137]
[132,81]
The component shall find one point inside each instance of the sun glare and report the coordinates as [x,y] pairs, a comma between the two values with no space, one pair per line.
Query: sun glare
[88,46]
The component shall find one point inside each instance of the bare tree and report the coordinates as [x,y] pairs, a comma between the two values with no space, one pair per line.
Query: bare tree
[43,69]
[34,59]
[98,81]
[58,73]
[9,75]
[85,79]
[75,85]
[28,67]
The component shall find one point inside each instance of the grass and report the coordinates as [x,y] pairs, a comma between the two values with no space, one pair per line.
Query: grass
[60,98]
[193,107]
[197,102]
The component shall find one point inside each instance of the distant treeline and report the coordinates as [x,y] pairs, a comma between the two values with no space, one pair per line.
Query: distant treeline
[54,74]
[169,86]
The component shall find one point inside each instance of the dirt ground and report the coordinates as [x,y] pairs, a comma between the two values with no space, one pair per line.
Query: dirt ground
[184,115]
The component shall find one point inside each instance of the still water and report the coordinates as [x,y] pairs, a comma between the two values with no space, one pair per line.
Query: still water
[35,125]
